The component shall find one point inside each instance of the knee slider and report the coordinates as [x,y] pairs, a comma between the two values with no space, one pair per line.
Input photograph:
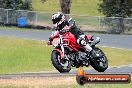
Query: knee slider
[81,42]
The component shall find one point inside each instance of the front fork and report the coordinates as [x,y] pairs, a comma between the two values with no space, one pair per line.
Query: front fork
[62,46]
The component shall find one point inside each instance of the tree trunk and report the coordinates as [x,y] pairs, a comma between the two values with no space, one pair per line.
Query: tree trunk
[65,6]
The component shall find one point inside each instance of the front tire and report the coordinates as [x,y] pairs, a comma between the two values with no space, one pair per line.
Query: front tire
[99,64]
[56,61]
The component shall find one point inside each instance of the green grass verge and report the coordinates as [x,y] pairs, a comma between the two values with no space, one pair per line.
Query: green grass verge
[85,7]
[25,55]
[118,56]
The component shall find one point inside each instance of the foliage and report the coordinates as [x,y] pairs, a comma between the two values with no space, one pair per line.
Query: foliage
[117,8]
[16,4]
[27,5]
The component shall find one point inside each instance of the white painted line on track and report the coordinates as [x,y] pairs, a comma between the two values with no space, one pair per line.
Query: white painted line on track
[130,65]
[114,47]
[120,66]
[97,45]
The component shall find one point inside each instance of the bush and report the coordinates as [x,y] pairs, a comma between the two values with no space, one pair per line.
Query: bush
[115,8]
[16,4]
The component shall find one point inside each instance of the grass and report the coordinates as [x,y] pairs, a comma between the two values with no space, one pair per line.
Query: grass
[24,55]
[118,56]
[81,7]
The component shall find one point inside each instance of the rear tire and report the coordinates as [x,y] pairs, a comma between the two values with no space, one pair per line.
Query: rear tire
[55,58]
[96,64]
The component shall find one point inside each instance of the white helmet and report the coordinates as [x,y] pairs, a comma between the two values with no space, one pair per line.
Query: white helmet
[58,18]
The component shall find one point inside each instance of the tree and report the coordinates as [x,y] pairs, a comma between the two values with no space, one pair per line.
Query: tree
[27,5]
[16,4]
[11,4]
[65,6]
[118,8]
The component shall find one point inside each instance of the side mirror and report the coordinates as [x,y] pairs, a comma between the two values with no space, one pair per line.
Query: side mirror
[97,40]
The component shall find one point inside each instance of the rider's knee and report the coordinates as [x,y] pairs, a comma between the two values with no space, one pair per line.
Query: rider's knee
[81,42]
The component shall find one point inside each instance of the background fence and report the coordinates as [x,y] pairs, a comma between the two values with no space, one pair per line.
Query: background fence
[14,19]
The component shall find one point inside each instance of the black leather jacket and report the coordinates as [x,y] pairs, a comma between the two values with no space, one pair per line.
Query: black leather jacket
[74,30]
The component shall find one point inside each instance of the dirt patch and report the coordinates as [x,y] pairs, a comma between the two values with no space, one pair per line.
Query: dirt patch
[38,81]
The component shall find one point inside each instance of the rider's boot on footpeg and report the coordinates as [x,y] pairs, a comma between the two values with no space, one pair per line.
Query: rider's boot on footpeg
[91,51]
[93,54]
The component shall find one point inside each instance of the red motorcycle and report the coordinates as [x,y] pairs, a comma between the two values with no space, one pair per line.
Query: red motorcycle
[67,53]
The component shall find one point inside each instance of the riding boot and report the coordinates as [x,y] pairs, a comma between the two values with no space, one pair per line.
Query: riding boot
[94,54]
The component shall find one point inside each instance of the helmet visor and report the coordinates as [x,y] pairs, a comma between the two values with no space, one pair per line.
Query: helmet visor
[55,20]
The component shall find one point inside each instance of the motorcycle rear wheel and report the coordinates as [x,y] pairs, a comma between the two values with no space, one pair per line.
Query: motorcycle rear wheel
[99,64]
[55,58]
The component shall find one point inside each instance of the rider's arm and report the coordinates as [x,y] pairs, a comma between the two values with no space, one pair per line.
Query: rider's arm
[55,35]
[69,26]
[52,37]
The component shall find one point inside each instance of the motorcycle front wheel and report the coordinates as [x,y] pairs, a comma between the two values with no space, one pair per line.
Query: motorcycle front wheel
[61,65]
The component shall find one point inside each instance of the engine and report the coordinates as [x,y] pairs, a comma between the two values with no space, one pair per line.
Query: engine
[82,58]
[82,55]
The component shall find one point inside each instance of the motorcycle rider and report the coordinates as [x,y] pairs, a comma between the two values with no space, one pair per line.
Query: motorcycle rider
[62,25]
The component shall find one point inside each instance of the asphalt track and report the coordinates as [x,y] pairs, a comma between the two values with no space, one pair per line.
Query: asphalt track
[124,69]
[119,41]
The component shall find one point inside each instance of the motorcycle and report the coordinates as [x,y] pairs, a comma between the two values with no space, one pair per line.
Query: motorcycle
[67,53]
